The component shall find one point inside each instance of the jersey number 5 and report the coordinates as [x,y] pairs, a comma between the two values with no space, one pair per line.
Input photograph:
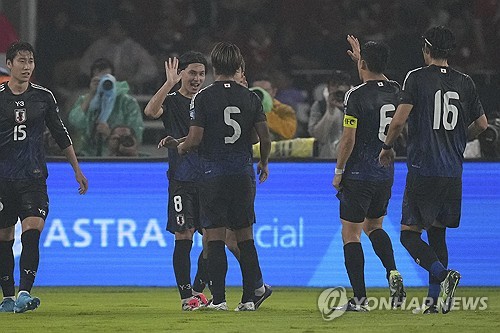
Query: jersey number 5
[19,132]
[443,105]
[232,123]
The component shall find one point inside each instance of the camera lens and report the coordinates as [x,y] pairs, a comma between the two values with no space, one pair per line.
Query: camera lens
[107,85]
[127,141]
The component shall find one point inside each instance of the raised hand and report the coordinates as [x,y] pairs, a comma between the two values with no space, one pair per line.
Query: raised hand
[171,70]
[355,53]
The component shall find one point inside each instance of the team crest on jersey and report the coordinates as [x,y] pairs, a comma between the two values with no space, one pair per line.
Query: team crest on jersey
[180,219]
[20,115]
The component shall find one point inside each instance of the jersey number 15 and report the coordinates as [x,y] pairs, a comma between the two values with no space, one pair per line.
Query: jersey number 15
[19,132]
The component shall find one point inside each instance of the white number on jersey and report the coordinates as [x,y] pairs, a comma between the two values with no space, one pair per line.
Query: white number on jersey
[233,123]
[443,105]
[385,120]
[19,132]
[178,203]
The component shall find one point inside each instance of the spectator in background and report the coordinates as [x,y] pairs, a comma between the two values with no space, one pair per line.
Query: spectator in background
[326,116]
[131,61]
[4,74]
[106,105]
[281,120]
[8,35]
[122,142]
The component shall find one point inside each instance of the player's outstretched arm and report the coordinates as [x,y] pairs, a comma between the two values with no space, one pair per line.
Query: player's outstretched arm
[154,107]
[69,152]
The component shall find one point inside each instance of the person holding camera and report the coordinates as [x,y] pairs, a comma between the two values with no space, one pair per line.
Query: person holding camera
[122,142]
[325,119]
[106,105]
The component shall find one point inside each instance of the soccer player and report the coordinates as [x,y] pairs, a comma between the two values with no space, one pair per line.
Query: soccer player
[184,171]
[442,108]
[26,109]
[201,278]
[364,186]
[223,117]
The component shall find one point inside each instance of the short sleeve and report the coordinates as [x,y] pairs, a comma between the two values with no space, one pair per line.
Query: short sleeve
[409,92]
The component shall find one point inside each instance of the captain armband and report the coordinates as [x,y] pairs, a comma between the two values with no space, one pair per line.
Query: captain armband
[350,121]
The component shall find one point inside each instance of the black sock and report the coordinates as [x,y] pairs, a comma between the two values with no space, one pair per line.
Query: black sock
[422,253]
[437,240]
[355,265]
[382,246]
[182,267]
[30,257]
[201,278]
[7,268]
[250,269]
[217,270]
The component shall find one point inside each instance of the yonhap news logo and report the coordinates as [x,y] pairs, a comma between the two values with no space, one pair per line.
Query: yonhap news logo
[332,303]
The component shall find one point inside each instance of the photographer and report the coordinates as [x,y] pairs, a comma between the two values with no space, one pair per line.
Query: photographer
[325,120]
[106,105]
[122,142]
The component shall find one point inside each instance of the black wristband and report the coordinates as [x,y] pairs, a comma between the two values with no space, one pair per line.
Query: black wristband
[386,147]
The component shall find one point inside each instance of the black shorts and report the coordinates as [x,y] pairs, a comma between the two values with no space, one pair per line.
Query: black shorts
[183,206]
[360,199]
[22,199]
[432,199]
[228,201]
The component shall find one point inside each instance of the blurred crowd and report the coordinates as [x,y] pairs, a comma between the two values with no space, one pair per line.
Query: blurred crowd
[295,46]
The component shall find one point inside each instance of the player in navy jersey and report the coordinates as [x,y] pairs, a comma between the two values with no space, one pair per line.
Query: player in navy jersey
[26,109]
[184,171]
[223,118]
[364,185]
[443,109]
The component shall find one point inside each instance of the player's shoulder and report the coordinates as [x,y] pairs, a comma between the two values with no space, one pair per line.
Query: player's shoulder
[42,91]
[355,92]
[2,86]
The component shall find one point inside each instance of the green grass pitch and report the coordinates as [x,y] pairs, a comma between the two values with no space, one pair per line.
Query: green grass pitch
[128,309]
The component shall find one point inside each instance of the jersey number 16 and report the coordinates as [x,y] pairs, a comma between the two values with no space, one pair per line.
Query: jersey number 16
[442,104]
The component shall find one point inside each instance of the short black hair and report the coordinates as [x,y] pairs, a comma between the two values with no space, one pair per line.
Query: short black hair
[226,58]
[376,56]
[192,57]
[339,78]
[100,65]
[440,41]
[17,47]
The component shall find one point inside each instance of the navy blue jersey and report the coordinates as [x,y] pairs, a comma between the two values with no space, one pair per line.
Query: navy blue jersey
[23,119]
[371,106]
[445,103]
[228,112]
[176,120]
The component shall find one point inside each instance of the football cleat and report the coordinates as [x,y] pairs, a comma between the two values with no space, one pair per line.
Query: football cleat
[353,306]
[202,298]
[218,307]
[449,286]
[190,304]
[25,302]
[7,305]
[397,289]
[248,306]
[257,300]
